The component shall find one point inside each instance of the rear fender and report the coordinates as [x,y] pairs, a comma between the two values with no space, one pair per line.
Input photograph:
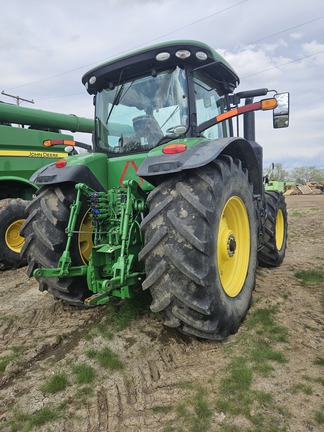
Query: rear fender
[89,168]
[16,187]
[155,168]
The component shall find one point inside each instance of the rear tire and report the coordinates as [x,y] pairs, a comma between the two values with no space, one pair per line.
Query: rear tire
[201,248]
[45,240]
[273,250]
[12,216]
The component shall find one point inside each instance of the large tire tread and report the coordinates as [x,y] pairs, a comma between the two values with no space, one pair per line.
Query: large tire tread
[179,245]
[269,255]
[11,210]
[45,240]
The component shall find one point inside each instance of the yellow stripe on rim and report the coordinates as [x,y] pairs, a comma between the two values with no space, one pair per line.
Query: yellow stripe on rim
[233,246]
[85,242]
[280,229]
[13,239]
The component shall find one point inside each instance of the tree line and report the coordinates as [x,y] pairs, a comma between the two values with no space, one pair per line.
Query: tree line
[299,175]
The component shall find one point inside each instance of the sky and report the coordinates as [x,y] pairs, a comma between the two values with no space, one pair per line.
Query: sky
[47,46]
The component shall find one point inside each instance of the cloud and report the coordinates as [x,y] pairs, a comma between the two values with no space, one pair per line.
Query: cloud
[315,49]
[47,47]
[296,35]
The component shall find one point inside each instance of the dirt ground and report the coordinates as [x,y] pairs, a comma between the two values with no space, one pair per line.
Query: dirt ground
[43,337]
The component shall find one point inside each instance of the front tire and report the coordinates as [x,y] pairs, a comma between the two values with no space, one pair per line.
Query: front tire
[12,216]
[45,241]
[273,250]
[201,248]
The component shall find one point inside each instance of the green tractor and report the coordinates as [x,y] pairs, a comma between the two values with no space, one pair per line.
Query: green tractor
[175,198]
[22,132]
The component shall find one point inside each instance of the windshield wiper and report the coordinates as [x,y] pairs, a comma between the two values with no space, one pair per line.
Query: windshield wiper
[170,116]
[118,97]
[116,100]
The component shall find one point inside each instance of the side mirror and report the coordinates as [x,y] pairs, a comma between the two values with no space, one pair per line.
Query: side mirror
[281,112]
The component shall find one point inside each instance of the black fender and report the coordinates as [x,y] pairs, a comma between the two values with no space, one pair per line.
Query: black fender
[50,174]
[154,168]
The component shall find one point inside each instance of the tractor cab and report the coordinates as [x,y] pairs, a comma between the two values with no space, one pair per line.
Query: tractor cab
[158,94]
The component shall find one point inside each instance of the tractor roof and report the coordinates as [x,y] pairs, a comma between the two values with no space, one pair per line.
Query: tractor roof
[157,57]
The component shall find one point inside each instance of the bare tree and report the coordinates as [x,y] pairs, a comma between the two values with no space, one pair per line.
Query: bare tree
[307,174]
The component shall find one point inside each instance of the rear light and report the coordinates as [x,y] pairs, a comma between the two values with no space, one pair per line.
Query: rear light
[174,148]
[50,143]
[60,163]
[267,104]
[264,104]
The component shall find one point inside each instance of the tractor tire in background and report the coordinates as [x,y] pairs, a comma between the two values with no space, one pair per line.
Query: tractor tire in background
[12,216]
[45,240]
[200,249]
[273,250]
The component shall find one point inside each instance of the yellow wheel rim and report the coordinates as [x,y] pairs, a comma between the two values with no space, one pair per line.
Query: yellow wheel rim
[85,238]
[233,246]
[280,229]
[13,239]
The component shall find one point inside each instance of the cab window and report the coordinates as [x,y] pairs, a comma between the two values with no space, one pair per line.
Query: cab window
[209,103]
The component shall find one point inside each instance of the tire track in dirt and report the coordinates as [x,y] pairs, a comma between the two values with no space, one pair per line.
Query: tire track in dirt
[158,362]
[35,325]
[156,381]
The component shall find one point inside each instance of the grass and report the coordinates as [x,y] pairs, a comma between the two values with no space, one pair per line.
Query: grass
[292,236]
[235,392]
[193,414]
[42,416]
[109,360]
[56,383]
[162,409]
[84,392]
[259,354]
[23,422]
[296,214]
[262,351]
[259,350]
[264,323]
[6,360]
[310,277]
[91,353]
[319,380]
[120,315]
[319,361]
[84,373]
[319,416]
[301,387]
[261,316]
[106,358]
[4,363]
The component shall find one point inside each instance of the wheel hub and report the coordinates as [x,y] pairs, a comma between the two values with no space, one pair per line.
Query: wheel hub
[231,245]
[228,244]
[13,239]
